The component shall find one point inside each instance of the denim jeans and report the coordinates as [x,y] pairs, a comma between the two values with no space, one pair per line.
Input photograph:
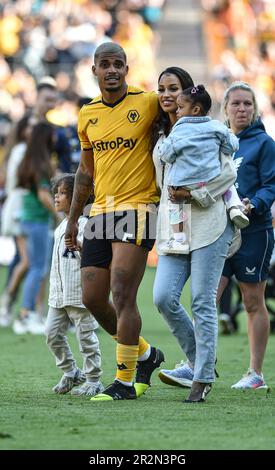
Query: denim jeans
[38,245]
[204,266]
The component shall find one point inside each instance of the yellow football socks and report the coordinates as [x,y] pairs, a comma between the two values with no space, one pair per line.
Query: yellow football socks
[143,346]
[127,356]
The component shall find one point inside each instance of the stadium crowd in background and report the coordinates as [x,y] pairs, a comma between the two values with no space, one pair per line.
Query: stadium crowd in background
[41,37]
[58,38]
[240,44]
[46,49]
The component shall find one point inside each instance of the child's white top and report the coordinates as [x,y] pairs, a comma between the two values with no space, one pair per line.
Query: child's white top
[65,280]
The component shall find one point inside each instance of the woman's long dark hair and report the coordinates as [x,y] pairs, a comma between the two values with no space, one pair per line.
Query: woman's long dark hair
[16,135]
[162,121]
[36,162]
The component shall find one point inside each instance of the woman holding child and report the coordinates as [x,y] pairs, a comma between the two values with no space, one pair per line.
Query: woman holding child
[210,234]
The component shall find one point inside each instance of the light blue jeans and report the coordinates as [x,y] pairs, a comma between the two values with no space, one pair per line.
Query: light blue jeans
[204,266]
[38,246]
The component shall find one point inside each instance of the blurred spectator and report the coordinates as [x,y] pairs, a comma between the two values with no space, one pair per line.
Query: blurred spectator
[34,174]
[73,139]
[10,219]
[240,38]
[58,38]
[46,101]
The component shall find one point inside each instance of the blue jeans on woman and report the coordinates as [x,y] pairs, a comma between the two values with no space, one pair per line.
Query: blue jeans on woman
[37,234]
[204,266]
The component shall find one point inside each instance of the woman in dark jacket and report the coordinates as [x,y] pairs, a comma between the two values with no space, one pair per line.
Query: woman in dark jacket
[255,164]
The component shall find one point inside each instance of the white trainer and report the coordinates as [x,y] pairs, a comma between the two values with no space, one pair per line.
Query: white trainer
[35,324]
[251,381]
[66,383]
[20,326]
[89,389]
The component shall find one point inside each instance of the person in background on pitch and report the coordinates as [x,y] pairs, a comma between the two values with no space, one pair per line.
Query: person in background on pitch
[47,98]
[10,218]
[114,131]
[34,175]
[66,307]
[255,163]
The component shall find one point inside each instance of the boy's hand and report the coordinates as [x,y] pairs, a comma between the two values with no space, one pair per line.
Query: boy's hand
[179,194]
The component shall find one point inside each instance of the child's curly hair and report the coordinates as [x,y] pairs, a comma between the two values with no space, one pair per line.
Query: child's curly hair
[68,181]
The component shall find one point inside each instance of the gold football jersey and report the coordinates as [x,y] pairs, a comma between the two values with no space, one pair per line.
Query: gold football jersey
[119,135]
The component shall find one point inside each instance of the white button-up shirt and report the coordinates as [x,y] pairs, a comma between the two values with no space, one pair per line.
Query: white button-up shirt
[65,280]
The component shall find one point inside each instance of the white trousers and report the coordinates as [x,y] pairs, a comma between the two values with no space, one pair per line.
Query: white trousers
[57,324]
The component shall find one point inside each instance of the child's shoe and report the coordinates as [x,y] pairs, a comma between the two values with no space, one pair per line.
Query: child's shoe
[89,389]
[174,246]
[238,218]
[66,383]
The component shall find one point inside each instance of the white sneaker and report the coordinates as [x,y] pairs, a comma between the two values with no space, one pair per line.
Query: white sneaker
[66,383]
[20,326]
[238,218]
[28,324]
[89,389]
[35,324]
[251,381]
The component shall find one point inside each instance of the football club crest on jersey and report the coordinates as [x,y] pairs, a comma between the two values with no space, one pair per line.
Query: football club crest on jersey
[133,116]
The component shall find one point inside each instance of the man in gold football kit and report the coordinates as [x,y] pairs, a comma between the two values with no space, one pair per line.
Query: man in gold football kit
[114,131]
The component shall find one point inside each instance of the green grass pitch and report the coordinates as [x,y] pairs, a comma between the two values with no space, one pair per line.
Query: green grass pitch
[33,417]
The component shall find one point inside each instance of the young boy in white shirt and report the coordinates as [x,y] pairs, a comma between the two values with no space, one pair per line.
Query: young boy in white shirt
[66,307]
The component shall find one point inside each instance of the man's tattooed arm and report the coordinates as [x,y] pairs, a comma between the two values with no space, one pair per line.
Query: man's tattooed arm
[82,189]
[83,186]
